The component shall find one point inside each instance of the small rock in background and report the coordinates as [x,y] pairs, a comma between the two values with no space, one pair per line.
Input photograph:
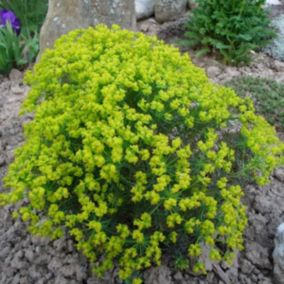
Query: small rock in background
[16,78]
[272,2]
[279,174]
[144,8]
[158,275]
[16,75]
[17,90]
[278,255]
[276,48]
[149,26]
[168,10]
[213,71]
[258,255]
[191,4]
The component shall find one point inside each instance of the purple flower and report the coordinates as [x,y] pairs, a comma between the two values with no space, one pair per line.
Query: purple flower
[8,16]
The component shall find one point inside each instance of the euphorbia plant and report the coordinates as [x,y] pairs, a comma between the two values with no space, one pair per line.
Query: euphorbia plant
[135,153]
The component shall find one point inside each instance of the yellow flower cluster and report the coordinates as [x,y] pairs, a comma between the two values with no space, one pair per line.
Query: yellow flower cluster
[133,151]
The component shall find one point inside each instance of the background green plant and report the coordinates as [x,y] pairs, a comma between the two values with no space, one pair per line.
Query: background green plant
[136,154]
[11,50]
[31,13]
[232,28]
[267,94]
[20,50]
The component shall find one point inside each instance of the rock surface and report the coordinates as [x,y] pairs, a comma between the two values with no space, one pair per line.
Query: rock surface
[276,48]
[144,8]
[63,16]
[168,10]
[278,255]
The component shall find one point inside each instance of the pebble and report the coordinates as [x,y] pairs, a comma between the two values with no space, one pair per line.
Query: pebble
[213,71]
[279,174]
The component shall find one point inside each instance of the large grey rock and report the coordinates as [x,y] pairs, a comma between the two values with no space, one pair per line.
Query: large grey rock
[276,48]
[278,256]
[168,10]
[144,8]
[64,16]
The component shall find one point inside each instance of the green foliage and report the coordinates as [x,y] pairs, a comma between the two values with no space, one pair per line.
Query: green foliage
[231,28]
[132,152]
[31,13]
[10,50]
[17,51]
[267,94]
[181,263]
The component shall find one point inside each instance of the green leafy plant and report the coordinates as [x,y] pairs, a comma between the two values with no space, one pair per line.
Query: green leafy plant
[232,28]
[31,13]
[267,94]
[11,50]
[22,49]
[132,151]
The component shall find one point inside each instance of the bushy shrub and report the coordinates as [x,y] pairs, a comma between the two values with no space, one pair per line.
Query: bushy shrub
[135,153]
[267,94]
[231,28]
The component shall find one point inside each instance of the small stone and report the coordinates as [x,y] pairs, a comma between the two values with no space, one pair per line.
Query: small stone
[4,252]
[233,274]
[246,266]
[144,8]
[278,255]
[213,71]
[60,244]
[244,279]
[61,280]
[206,259]
[54,265]
[17,90]
[272,2]
[68,271]
[277,65]
[70,246]
[258,255]
[221,274]
[266,280]
[232,72]
[158,275]
[16,279]
[18,262]
[279,174]
[178,276]
[34,273]
[42,259]
[29,255]
[169,10]
[16,75]
[192,4]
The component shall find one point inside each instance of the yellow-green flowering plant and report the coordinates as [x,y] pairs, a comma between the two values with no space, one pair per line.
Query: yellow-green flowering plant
[135,153]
